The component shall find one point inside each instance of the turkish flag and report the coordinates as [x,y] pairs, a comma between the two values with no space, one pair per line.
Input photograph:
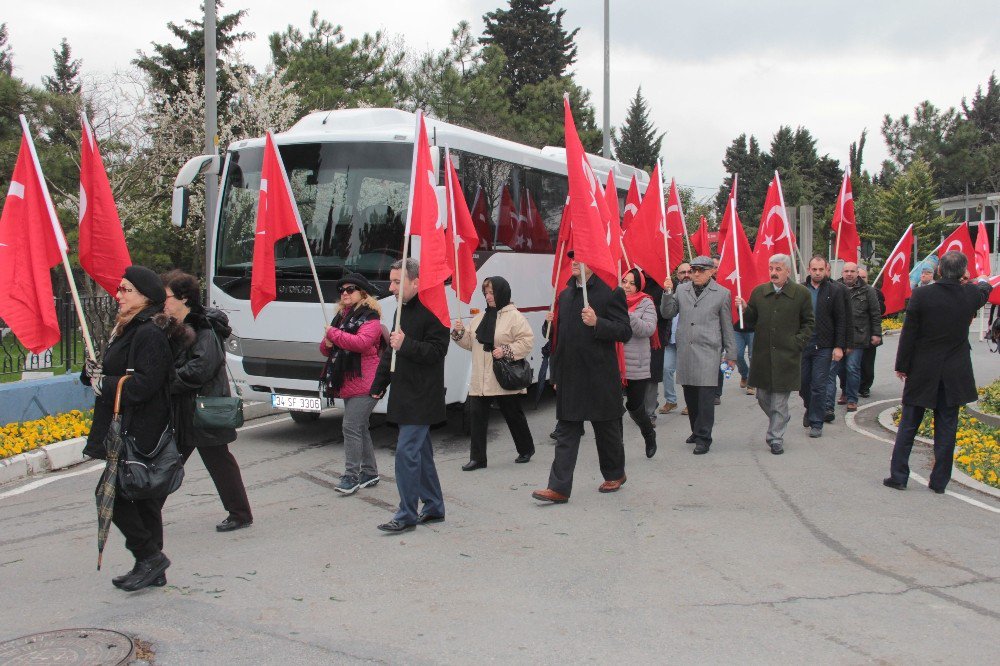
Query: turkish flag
[590,234]
[982,253]
[562,264]
[277,218]
[896,281]
[995,294]
[31,243]
[103,252]
[632,201]
[461,236]
[612,226]
[425,221]
[611,196]
[481,218]
[676,229]
[509,224]
[844,223]
[644,240]
[537,235]
[774,236]
[699,239]
[737,272]
[960,241]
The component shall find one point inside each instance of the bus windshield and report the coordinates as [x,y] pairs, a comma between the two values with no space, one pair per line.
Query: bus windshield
[352,198]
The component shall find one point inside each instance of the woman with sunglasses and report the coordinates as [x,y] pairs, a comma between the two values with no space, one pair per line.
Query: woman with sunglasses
[498,332]
[138,347]
[638,351]
[352,346]
[200,370]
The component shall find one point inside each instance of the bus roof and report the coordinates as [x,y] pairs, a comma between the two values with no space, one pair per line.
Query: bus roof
[391,125]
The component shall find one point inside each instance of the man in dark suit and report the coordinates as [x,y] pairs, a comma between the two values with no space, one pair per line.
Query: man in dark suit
[417,400]
[868,358]
[588,382]
[826,344]
[935,364]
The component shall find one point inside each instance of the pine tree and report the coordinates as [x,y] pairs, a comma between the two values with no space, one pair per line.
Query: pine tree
[639,143]
[908,201]
[533,38]
[65,79]
[6,53]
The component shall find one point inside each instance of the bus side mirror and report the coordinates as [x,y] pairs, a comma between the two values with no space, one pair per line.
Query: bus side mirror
[194,167]
[179,207]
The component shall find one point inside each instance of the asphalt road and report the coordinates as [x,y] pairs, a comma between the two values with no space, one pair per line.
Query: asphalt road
[736,556]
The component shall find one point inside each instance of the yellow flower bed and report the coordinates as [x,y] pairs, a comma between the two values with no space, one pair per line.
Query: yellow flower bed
[977,446]
[989,398]
[892,324]
[26,436]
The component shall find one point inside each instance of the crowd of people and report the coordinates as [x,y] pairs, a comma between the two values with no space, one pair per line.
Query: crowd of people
[610,350]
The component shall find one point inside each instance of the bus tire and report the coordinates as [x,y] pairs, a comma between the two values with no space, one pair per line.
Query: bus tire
[304,417]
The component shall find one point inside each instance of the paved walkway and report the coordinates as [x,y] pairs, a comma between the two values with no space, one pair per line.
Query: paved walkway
[737,556]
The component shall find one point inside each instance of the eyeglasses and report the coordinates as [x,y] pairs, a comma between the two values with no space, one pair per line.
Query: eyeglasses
[125,290]
[698,269]
[348,289]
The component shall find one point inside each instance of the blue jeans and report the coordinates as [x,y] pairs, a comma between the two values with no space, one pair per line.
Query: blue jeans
[815,374]
[744,344]
[852,360]
[416,476]
[669,368]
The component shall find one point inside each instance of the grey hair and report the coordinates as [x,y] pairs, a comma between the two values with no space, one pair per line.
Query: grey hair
[412,267]
[952,265]
[781,259]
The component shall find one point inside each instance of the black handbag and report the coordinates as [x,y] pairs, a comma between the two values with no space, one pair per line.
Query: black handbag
[214,412]
[513,375]
[148,475]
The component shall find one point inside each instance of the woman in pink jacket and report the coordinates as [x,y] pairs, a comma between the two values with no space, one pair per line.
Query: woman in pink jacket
[352,346]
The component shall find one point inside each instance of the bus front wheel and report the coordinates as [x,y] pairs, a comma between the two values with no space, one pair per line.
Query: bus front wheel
[304,417]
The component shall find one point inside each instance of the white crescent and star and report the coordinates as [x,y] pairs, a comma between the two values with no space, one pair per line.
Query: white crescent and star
[16,189]
[896,275]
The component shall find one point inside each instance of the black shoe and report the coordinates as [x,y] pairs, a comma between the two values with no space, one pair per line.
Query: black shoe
[395,526]
[701,448]
[425,518]
[118,580]
[805,420]
[553,435]
[146,573]
[829,417]
[473,464]
[776,448]
[718,401]
[230,524]
[651,447]
[865,393]
[889,483]
[523,458]
[939,491]
[689,440]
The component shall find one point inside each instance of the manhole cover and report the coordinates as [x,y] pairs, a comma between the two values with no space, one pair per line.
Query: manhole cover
[93,647]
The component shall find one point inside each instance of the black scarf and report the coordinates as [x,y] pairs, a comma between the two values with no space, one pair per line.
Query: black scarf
[487,330]
[341,364]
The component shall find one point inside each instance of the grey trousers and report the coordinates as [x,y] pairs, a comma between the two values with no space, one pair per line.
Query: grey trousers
[775,405]
[359,453]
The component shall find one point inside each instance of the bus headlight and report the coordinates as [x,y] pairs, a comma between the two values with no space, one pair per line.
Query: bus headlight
[234,345]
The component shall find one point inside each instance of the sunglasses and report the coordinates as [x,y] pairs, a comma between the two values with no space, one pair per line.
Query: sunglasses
[125,290]
[699,269]
[348,289]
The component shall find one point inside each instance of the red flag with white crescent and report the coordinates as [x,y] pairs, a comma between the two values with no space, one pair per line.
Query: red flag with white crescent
[699,239]
[896,281]
[481,218]
[737,272]
[461,237]
[632,201]
[844,224]
[644,239]
[774,236]
[982,252]
[960,241]
[676,229]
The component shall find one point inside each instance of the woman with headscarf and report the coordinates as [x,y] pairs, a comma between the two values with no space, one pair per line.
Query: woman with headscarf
[352,345]
[200,370]
[498,332]
[138,347]
[642,319]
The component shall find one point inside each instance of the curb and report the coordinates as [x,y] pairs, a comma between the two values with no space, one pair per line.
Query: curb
[991,420]
[957,475]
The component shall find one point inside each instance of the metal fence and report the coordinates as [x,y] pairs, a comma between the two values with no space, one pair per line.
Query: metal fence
[70,352]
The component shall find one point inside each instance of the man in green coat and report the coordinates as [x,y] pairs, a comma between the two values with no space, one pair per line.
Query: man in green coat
[781,313]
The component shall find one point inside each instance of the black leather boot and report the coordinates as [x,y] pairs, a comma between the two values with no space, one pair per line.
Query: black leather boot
[646,428]
[147,571]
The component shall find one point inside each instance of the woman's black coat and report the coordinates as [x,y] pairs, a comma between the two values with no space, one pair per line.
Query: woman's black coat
[200,370]
[145,409]
[418,395]
[585,358]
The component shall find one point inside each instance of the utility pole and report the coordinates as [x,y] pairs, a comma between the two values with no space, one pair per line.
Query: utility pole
[211,135]
[607,79]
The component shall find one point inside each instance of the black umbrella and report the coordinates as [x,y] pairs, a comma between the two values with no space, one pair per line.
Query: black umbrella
[543,372]
[108,486]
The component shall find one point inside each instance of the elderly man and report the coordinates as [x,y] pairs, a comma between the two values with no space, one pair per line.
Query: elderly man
[864,330]
[826,344]
[669,340]
[782,313]
[926,276]
[587,381]
[935,364]
[703,308]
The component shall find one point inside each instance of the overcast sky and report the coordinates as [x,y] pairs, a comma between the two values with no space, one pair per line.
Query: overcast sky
[710,70]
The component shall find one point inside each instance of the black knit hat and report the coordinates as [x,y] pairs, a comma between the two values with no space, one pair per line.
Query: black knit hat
[361,282]
[147,283]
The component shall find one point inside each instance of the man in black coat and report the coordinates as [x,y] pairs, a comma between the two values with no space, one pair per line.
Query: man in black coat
[868,358]
[588,383]
[416,401]
[935,364]
[825,345]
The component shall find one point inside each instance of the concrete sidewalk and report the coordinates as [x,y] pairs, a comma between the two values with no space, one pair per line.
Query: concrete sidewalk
[736,556]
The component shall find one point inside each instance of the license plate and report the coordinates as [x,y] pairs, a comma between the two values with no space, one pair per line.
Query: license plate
[297,403]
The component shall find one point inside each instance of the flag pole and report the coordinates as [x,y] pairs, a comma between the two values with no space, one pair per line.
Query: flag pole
[687,239]
[792,241]
[895,247]
[731,238]
[555,288]
[302,232]
[583,282]
[840,199]
[663,216]
[454,221]
[60,241]
[406,234]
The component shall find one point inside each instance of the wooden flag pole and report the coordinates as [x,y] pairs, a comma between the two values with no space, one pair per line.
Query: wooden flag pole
[406,235]
[583,282]
[731,237]
[60,242]
[454,221]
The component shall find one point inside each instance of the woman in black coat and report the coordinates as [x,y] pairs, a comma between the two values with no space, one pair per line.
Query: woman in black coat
[200,370]
[138,347]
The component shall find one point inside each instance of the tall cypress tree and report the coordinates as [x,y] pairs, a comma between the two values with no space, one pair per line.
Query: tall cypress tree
[6,53]
[533,38]
[639,143]
[65,79]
